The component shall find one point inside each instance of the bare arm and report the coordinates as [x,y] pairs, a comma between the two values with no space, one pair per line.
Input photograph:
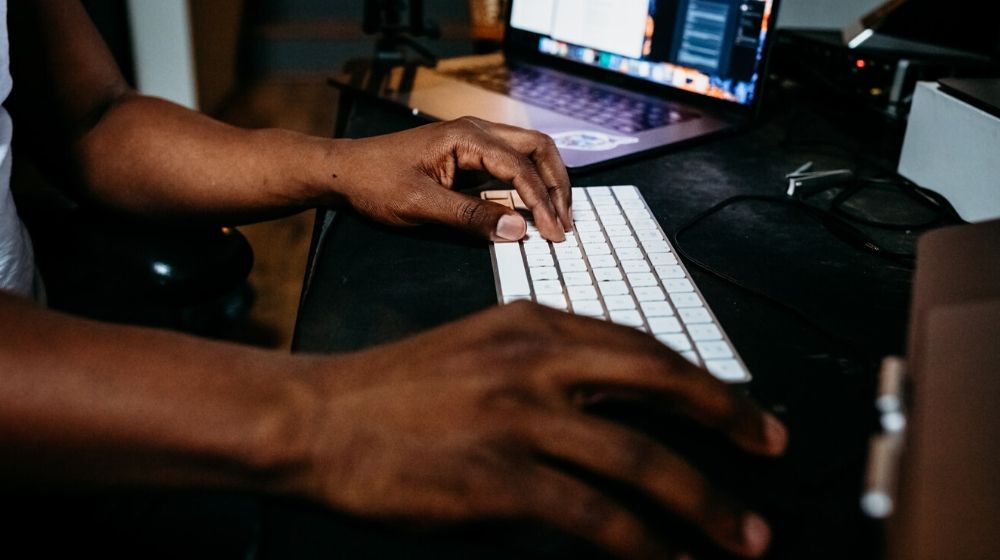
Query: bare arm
[142,155]
[475,420]
[86,402]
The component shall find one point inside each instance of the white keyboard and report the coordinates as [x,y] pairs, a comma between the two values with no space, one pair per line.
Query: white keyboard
[619,266]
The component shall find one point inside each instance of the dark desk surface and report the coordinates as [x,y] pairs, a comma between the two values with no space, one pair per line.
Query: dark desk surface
[813,354]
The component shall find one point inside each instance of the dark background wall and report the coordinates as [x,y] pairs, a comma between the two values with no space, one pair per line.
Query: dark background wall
[239,41]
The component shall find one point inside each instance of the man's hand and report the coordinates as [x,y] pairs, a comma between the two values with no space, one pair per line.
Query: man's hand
[473,420]
[406,178]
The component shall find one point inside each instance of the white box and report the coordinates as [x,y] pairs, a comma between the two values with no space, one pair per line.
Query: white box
[953,149]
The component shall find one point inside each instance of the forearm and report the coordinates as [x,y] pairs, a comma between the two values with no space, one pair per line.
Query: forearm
[150,157]
[75,114]
[96,404]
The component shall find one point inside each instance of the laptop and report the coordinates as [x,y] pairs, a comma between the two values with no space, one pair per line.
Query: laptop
[608,79]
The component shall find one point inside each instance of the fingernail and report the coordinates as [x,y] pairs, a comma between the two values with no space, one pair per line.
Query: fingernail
[511,228]
[756,534]
[775,432]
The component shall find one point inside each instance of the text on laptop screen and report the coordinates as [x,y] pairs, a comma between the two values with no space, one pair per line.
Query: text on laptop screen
[710,47]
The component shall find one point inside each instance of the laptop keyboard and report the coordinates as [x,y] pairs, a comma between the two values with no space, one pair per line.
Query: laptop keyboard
[591,103]
[618,266]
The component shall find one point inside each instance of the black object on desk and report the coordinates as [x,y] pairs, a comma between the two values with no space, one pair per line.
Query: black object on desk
[814,355]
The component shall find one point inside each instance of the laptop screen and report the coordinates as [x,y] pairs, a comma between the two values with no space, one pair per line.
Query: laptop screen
[709,47]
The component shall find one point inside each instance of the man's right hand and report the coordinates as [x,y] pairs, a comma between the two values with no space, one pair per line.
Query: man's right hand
[472,420]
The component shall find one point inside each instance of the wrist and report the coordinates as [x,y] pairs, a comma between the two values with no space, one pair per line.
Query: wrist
[279,450]
[326,173]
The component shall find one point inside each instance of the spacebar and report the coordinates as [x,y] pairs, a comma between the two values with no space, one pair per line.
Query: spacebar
[510,270]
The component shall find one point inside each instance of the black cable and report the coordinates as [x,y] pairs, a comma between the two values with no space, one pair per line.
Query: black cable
[926,199]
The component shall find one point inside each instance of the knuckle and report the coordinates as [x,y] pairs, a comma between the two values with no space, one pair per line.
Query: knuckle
[473,213]
[513,343]
[511,394]
[467,123]
[545,141]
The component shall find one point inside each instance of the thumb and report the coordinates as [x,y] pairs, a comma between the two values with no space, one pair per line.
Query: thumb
[479,217]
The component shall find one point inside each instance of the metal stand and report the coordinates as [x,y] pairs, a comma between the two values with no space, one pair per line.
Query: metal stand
[397,38]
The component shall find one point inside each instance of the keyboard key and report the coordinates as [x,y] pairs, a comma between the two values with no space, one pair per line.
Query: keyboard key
[597,249]
[626,192]
[635,266]
[651,293]
[588,308]
[634,209]
[571,240]
[568,265]
[649,235]
[607,274]
[704,332]
[626,254]
[510,270]
[670,272]
[497,195]
[611,219]
[518,202]
[566,252]
[584,216]
[548,287]
[544,273]
[555,301]
[642,280]
[588,237]
[613,288]
[693,315]
[655,245]
[665,325]
[606,207]
[619,302]
[714,350]
[662,259]
[603,261]
[618,231]
[628,318]
[644,225]
[507,300]
[541,259]
[622,242]
[692,357]
[598,191]
[678,286]
[656,308]
[676,342]
[685,299]
[726,370]
[578,279]
[580,293]
[536,248]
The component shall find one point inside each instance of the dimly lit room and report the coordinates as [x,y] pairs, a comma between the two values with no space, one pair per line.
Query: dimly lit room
[500,279]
